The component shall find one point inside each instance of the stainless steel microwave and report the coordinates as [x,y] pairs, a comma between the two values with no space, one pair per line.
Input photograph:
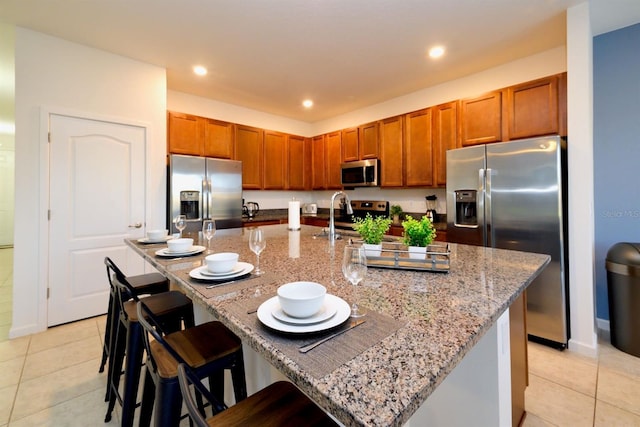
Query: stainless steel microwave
[364,173]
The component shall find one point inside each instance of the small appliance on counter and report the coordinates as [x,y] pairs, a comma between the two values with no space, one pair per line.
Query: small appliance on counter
[310,208]
[250,209]
[431,207]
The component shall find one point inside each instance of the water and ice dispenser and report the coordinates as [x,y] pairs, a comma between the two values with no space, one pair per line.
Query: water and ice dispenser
[466,208]
[190,204]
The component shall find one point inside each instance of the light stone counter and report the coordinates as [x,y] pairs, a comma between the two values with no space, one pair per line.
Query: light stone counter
[444,315]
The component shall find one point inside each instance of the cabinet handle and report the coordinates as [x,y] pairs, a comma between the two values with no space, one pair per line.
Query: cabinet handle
[136,225]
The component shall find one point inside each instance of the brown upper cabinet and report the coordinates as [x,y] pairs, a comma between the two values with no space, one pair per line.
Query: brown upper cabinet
[299,163]
[218,139]
[369,141]
[184,134]
[535,109]
[275,161]
[248,149]
[391,152]
[350,145]
[445,137]
[481,119]
[318,163]
[333,144]
[418,138]
[360,143]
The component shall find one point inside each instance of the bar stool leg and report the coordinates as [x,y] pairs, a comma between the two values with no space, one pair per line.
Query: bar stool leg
[115,368]
[133,364]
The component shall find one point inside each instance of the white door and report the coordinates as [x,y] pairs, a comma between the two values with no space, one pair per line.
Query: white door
[96,199]
[7,191]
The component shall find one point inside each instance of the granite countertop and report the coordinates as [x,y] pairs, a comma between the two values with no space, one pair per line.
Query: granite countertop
[442,315]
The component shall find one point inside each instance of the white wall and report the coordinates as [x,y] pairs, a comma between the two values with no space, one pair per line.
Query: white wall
[580,165]
[7,137]
[54,73]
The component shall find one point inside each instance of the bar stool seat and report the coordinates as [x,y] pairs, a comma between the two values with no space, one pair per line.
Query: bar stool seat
[277,405]
[173,308]
[143,284]
[208,348]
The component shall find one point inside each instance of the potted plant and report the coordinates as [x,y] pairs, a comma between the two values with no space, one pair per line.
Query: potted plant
[372,230]
[418,234]
[395,211]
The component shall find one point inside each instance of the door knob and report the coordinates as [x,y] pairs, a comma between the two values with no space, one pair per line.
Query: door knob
[136,225]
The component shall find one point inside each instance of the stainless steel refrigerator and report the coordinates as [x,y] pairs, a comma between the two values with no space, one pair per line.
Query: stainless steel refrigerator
[204,188]
[512,195]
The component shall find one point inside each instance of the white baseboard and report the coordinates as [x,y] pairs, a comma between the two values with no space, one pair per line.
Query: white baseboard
[603,325]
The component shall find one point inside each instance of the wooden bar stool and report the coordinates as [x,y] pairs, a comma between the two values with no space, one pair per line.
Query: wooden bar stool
[208,349]
[172,308]
[143,284]
[279,405]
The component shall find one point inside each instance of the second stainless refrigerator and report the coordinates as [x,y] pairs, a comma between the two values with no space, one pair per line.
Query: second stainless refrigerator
[204,188]
[512,195]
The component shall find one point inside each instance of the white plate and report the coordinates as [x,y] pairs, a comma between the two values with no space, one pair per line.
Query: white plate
[266,309]
[326,312]
[147,241]
[192,251]
[236,269]
[198,273]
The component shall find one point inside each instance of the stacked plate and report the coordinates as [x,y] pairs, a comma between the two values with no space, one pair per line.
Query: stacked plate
[148,241]
[193,250]
[202,273]
[334,312]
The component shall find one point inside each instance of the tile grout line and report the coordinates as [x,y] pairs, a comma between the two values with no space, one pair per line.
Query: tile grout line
[15,395]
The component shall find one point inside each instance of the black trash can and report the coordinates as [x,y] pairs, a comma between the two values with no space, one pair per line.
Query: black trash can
[623,285]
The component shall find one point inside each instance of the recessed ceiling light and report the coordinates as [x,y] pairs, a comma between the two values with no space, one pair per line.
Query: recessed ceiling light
[200,70]
[307,103]
[436,52]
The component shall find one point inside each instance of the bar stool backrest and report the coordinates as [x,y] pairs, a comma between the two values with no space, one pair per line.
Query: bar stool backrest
[187,378]
[118,281]
[152,326]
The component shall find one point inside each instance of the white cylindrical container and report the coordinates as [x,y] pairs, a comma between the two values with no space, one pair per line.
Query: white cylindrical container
[294,215]
[294,244]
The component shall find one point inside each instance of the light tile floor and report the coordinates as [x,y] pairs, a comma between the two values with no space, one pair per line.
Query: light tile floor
[52,379]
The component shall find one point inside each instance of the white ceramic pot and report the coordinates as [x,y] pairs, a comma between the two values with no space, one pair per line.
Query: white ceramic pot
[372,250]
[417,252]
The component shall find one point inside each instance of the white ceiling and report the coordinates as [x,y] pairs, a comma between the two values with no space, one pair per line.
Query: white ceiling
[269,55]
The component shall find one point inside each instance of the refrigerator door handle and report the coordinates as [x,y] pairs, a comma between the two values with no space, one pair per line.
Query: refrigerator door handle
[204,209]
[488,214]
[480,198]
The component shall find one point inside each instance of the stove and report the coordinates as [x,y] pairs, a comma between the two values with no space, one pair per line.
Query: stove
[360,210]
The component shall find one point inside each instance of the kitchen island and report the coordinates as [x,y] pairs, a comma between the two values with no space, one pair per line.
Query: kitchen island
[432,341]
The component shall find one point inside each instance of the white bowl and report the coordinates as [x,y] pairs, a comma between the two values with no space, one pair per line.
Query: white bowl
[222,262]
[180,245]
[301,299]
[156,234]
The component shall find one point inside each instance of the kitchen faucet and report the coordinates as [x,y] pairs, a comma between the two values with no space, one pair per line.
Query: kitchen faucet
[332,224]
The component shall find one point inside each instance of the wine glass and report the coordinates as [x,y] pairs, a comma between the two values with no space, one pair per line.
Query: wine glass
[354,269]
[208,230]
[181,223]
[257,244]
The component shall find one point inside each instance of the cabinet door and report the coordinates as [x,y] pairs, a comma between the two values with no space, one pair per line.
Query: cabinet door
[481,119]
[445,137]
[369,141]
[298,162]
[184,134]
[350,145]
[248,149]
[333,143]
[417,148]
[218,139]
[391,153]
[533,108]
[317,163]
[275,160]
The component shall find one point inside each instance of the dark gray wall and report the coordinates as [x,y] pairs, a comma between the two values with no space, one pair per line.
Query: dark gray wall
[616,140]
